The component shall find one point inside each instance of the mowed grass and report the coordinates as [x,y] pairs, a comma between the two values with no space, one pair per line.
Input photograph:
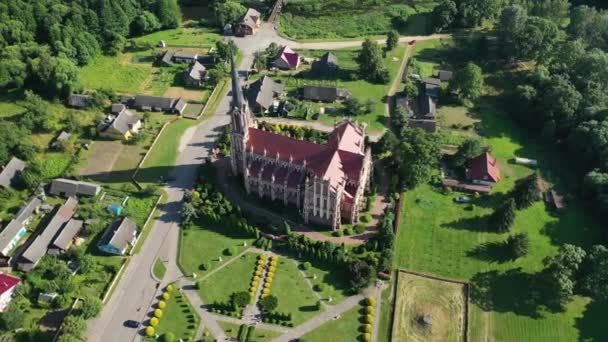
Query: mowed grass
[345,328]
[164,153]
[179,318]
[235,277]
[293,292]
[9,103]
[183,37]
[442,301]
[334,280]
[159,269]
[115,73]
[360,89]
[259,335]
[205,243]
[440,237]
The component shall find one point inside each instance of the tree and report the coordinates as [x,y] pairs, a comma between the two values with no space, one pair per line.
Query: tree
[443,15]
[269,303]
[511,24]
[168,13]
[240,299]
[560,270]
[260,60]
[13,318]
[554,10]
[225,50]
[594,271]
[228,11]
[352,106]
[145,23]
[518,244]
[411,89]
[502,219]
[215,75]
[467,82]
[91,306]
[392,39]
[469,149]
[526,192]
[74,325]
[188,212]
[472,13]
[371,64]
[361,274]
[399,118]
[416,157]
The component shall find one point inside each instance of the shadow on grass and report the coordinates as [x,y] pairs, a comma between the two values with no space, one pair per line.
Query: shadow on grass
[592,325]
[514,291]
[308,308]
[474,224]
[492,252]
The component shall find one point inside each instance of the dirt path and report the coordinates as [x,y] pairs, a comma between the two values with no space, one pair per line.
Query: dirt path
[357,43]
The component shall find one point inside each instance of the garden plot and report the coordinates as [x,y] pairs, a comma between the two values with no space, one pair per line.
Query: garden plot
[428,310]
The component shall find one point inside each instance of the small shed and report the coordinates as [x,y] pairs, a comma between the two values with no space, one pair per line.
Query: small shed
[115,209]
[162,44]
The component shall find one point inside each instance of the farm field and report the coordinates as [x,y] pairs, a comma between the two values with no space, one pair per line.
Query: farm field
[115,73]
[420,298]
[507,303]
[314,20]
[360,89]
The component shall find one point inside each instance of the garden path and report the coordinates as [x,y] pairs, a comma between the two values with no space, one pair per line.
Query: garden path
[264,326]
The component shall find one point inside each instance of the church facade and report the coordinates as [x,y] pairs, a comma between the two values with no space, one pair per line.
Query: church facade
[327,182]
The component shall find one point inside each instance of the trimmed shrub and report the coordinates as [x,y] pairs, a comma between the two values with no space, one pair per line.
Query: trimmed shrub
[250,332]
[369,319]
[266,285]
[337,233]
[319,287]
[252,289]
[369,309]
[266,291]
[162,304]
[169,288]
[306,266]
[370,301]
[366,328]
[166,296]
[360,228]
[348,231]
[158,313]
[256,278]
[241,333]
[272,269]
[169,337]
[153,321]
[150,331]
[230,251]
[367,337]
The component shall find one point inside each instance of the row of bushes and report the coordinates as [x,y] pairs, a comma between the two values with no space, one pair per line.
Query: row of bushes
[272,267]
[245,333]
[367,316]
[158,312]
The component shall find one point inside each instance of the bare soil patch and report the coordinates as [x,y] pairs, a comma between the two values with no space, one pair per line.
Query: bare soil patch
[188,94]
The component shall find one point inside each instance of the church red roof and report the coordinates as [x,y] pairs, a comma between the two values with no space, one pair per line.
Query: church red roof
[484,168]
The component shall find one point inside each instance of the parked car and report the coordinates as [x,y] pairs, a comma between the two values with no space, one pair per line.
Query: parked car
[462,199]
[132,324]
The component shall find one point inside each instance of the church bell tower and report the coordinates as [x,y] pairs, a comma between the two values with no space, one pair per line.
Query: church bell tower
[240,121]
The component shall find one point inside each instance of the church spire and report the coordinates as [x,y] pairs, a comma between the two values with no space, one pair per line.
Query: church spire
[237,92]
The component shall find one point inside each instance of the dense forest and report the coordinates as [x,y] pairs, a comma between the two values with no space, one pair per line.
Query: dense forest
[43,42]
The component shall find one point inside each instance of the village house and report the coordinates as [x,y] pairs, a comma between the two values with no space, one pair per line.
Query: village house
[61,139]
[11,173]
[79,100]
[8,284]
[445,75]
[324,94]
[249,23]
[17,227]
[166,59]
[483,170]
[326,182]
[431,87]
[154,103]
[120,127]
[118,237]
[195,75]
[182,56]
[286,59]
[66,237]
[67,187]
[39,246]
[327,65]
[261,94]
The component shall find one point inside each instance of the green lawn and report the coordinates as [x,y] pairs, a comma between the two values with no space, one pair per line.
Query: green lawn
[115,73]
[163,155]
[179,318]
[232,331]
[347,20]
[8,103]
[205,243]
[235,277]
[159,269]
[345,328]
[439,237]
[294,294]
[334,278]
[359,88]
[183,37]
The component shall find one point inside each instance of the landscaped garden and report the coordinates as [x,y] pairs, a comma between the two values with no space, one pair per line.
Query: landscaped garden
[313,19]
[173,317]
[345,328]
[259,335]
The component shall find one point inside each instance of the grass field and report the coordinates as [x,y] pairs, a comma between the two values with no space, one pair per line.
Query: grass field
[179,318]
[234,277]
[360,89]
[352,21]
[418,297]
[333,278]
[8,103]
[159,269]
[115,73]
[232,331]
[508,305]
[294,294]
[215,240]
[183,37]
[345,328]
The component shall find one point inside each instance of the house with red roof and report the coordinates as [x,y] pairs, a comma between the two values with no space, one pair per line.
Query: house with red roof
[326,182]
[8,284]
[286,59]
[483,169]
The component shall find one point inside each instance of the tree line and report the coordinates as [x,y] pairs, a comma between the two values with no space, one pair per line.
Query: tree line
[43,42]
